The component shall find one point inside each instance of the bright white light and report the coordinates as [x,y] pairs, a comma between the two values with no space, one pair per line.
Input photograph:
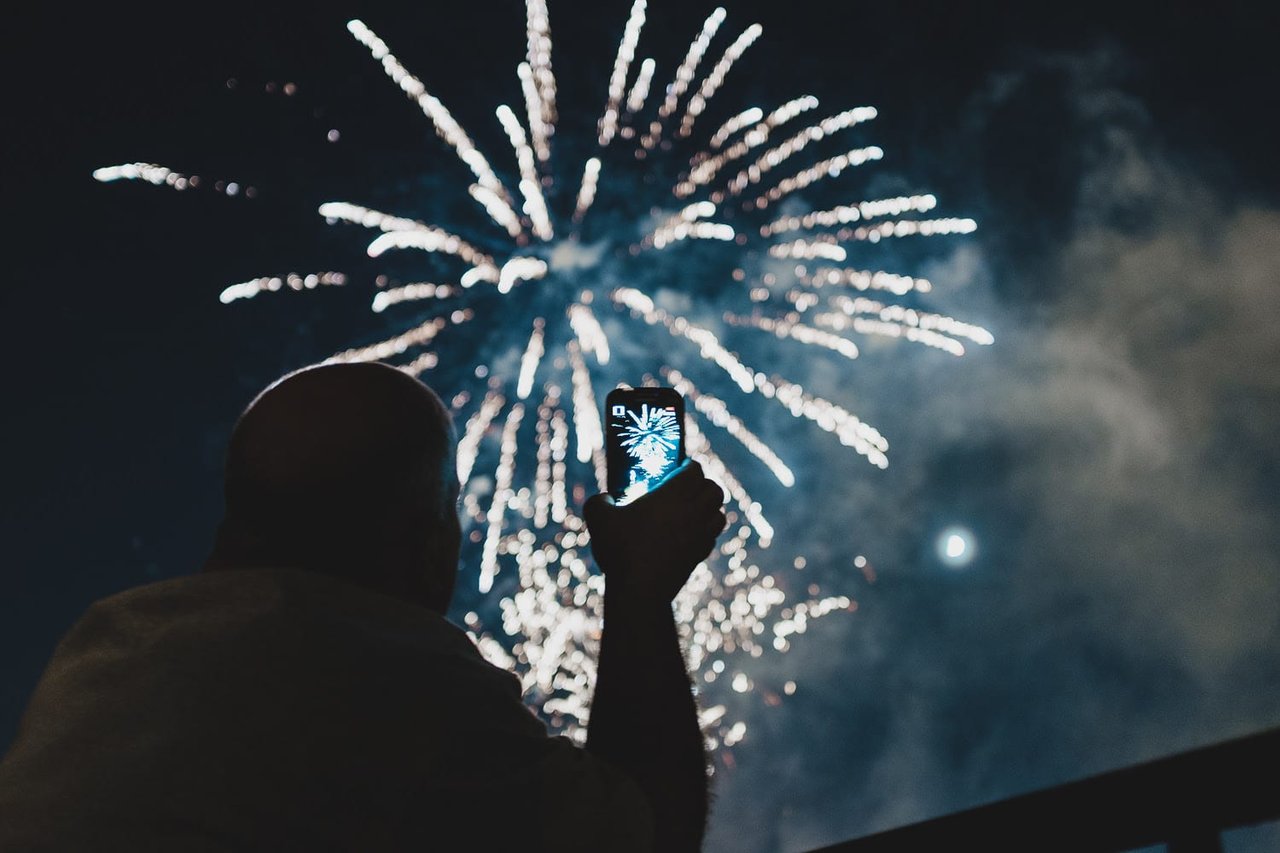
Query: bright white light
[956,547]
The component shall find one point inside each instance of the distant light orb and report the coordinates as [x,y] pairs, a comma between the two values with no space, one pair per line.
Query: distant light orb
[956,547]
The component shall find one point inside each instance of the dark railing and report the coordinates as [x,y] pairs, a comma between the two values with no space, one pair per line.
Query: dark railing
[1184,800]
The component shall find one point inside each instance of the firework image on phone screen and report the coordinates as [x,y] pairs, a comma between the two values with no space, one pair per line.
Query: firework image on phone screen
[644,438]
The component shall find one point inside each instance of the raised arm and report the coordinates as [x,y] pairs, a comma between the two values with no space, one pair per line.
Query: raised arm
[644,719]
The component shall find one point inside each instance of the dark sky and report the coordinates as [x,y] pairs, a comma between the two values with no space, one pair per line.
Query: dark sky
[1115,452]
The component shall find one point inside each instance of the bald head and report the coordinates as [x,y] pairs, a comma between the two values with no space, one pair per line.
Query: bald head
[346,469]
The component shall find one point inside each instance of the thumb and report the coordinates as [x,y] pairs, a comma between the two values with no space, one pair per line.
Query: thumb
[596,509]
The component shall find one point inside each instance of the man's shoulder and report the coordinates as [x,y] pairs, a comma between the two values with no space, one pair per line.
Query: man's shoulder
[242,635]
[282,613]
[251,593]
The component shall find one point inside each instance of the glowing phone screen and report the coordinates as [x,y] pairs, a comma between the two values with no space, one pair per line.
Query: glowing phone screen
[645,429]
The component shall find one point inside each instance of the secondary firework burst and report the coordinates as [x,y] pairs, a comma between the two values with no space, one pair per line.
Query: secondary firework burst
[532,440]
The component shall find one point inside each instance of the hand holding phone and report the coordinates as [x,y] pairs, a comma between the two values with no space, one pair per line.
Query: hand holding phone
[650,546]
[662,514]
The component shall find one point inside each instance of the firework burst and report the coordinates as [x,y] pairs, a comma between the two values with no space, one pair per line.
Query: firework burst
[531,446]
[653,436]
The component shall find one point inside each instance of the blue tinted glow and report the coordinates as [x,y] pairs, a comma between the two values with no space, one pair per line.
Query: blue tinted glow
[650,435]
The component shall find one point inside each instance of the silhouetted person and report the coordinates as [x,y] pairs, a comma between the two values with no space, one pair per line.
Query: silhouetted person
[304,692]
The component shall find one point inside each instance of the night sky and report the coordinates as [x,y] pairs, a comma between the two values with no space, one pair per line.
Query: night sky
[1114,453]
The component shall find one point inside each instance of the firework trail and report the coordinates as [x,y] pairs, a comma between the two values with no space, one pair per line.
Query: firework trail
[532,439]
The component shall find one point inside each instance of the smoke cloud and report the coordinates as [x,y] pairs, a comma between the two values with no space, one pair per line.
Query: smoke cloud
[1115,452]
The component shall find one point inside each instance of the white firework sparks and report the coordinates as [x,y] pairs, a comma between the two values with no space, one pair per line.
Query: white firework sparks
[651,438]
[532,440]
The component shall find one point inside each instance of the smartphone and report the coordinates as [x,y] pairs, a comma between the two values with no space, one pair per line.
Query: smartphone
[644,439]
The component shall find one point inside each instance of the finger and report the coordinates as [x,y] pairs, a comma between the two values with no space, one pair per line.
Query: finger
[684,481]
[708,505]
[596,508]
[715,525]
[712,494]
[708,524]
